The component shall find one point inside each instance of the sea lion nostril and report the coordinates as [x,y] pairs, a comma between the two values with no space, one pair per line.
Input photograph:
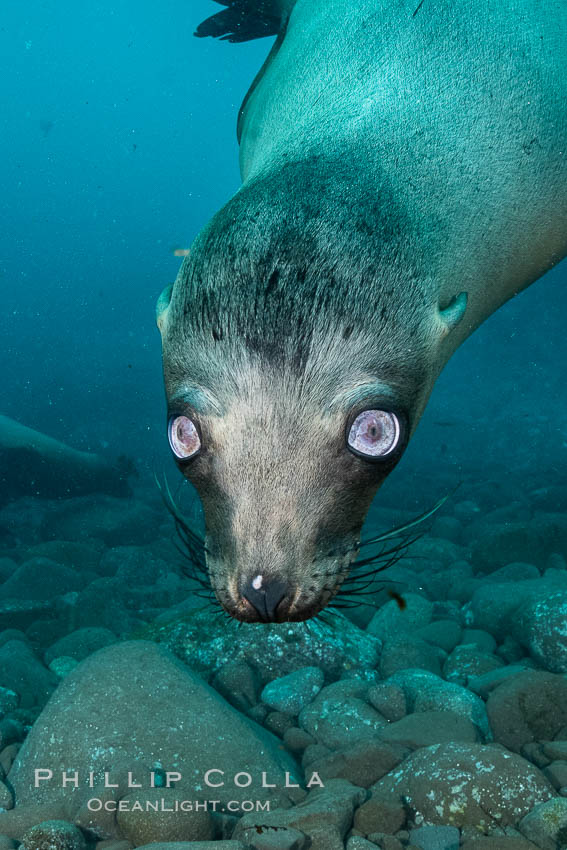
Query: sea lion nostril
[264,595]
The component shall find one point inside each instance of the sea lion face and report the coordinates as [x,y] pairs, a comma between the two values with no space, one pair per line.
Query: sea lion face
[286,468]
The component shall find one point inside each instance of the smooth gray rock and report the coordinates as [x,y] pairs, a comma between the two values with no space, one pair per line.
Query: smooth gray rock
[293,692]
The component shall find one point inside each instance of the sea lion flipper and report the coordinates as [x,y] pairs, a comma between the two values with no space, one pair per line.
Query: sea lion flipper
[244,20]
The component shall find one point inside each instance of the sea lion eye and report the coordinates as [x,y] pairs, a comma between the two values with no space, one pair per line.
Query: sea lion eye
[183,436]
[374,434]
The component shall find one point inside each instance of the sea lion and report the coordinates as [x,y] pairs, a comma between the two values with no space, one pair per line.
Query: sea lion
[33,464]
[404,173]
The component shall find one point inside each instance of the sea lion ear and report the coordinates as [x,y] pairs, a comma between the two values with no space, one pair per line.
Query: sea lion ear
[452,314]
[162,305]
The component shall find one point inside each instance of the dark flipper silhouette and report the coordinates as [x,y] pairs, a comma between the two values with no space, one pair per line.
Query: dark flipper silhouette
[244,20]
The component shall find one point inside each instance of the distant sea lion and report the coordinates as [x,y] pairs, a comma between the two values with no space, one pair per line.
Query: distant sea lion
[404,173]
[33,464]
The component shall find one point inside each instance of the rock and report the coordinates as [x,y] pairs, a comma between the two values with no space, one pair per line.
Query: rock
[436,838]
[556,773]
[62,666]
[356,842]
[362,763]
[6,798]
[8,701]
[515,572]
[528,707]
[378,813]
[426,692]
[207,644]
[20,613]
[495,607]
[337,721]
[389,700]
[40,579]
[481,640]
[194,845]
[278,723]
[96,607]
[443,633]
[80,643]
[323,809]
[89,722]
[281,839]
[12,634]
[115,521]
[7,568]
[546,824]
[540,627]
[467,662]
[297,740]
[504,543]
[238,683]
[399,653]
[175,826]
[555,750]
[390,621]
[291,693]
[483,685]
[23,673]
[133,565]
[465,784]
[500,842]
[82,557]
[386,842]
[53,835]
[429,727]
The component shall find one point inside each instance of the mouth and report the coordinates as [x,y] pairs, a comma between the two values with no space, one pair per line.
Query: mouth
[343,583]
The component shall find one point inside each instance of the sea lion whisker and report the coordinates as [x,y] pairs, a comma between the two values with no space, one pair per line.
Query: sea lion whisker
[401,529]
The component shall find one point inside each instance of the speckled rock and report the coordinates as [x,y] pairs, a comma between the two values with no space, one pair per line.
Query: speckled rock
[89,722]
[62,666]
[389,700]
[280,839]
[466,784]
[529,707]
[427,692]
[337,721]
[291,693]
[546,824]
[390,620]
[207,644]
[194,845]
[541,628]
[494,607]
[53,835]
[504,543]
[467,661]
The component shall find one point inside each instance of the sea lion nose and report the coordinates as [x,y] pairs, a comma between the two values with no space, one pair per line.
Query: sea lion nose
[264,594]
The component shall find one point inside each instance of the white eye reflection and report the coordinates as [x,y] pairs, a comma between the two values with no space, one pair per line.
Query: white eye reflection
[374,433]
[183,437]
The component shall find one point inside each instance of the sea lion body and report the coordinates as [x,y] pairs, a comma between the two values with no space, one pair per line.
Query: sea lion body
[404,173]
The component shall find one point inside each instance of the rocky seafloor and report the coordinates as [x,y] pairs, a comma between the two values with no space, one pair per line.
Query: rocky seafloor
[434,726]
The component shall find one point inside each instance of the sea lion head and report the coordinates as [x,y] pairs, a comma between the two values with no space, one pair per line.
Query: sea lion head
[296,369]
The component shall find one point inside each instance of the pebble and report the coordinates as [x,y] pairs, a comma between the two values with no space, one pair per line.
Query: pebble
[528,707]
[436,838]
[466,784]
[546,824]
[291,693]
[53,835]
[390,621]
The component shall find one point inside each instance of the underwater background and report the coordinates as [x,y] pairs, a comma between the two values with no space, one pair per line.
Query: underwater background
[118,143]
